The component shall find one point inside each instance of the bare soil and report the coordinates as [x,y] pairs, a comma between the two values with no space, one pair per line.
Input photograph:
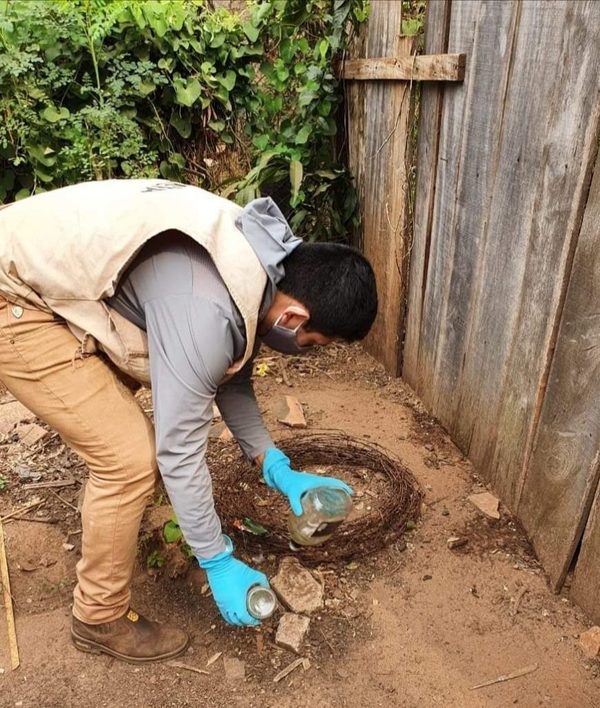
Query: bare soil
[416,624]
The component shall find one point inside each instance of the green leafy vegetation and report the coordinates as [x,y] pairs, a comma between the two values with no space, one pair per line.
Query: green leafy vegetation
[155,560]
[244,103]
[3,483]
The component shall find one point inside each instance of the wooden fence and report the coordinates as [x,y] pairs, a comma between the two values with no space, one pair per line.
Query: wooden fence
[502,331]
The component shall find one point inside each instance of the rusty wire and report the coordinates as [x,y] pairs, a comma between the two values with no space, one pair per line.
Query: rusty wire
[240,494]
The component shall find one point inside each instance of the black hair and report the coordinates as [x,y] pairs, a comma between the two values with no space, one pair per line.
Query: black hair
[337,286]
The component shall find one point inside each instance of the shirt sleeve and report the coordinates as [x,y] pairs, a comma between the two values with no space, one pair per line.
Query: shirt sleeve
[190,347]
[238,406]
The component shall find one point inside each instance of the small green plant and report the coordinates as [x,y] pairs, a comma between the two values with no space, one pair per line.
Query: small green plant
[155,560]
[171,531]
[3,483]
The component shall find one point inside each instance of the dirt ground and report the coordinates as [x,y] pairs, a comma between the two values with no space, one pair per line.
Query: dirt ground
[417,624]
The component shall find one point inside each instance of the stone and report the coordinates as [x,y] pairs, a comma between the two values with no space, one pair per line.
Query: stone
[235,670]
[30,433]
[590,642]
[486,503]
[26,474]
[457,541]
[291,631]
[13,413]
[68,546]
[289,412]
[297,588]
[219,431]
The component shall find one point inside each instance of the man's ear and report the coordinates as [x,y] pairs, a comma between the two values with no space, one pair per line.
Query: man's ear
[298,313]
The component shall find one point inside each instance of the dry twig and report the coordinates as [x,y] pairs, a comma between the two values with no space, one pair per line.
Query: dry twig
[507,677]
[8,604]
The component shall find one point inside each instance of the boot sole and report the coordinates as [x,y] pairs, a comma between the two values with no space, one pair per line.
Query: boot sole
[91,647]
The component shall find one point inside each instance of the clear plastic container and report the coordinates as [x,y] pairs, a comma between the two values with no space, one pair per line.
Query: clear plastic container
[261,602]
[324,509]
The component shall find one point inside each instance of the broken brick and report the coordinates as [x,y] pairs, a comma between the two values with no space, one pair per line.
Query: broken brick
[289,412]
[590,642]
[486,503]
[291,631]
[297,588]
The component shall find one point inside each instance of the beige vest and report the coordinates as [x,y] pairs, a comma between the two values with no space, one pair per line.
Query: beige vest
[64,251]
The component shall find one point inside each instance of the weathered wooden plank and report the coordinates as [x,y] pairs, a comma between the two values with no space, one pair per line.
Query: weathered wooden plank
[437,25]
[464,226]
[457,98]
[563,97]
[378,144]
[432,67]
[585,590]
[563,473]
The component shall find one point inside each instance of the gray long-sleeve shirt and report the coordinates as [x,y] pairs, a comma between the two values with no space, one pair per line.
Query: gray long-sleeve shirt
[174,292]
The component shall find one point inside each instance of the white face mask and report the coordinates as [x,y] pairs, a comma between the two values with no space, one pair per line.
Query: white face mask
[282,339]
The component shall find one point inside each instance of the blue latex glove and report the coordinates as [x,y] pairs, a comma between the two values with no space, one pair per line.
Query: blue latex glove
[279,475]
[229,580]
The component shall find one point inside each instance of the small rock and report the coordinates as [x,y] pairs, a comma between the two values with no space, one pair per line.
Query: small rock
[220,431]
[429,446]
[68,546]
[427,577]
[590,642]
[445,512]
[296,587]
[289,412]
[457,541]
[486,503]
[26,474]
[235,670]
[1,671]
[291,631]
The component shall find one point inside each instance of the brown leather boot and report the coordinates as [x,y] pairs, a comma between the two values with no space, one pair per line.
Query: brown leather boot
[131,638]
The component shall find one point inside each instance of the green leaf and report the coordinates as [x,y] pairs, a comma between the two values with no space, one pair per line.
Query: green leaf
[171,532]
[217,125]
[145,88]
[253,527]
[250,31]
[187,91]
[21,194]
[260,141]
[412,26]
[53,115]
[303,135]
[44,155]
[182,124]
[227,80]
[296,175]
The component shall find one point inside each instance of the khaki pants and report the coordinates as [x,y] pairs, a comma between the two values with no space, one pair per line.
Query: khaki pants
[98,417]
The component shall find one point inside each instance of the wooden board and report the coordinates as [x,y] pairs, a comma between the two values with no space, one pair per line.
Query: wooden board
[378,130]
[433,67]
[585,590]
[495,236]
[562,475]
[437,25]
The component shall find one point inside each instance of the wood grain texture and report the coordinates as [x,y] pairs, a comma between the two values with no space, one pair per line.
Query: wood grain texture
[585,590]
[562,475]
[378,128]
[433,67]
[494,246]
[437,26]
